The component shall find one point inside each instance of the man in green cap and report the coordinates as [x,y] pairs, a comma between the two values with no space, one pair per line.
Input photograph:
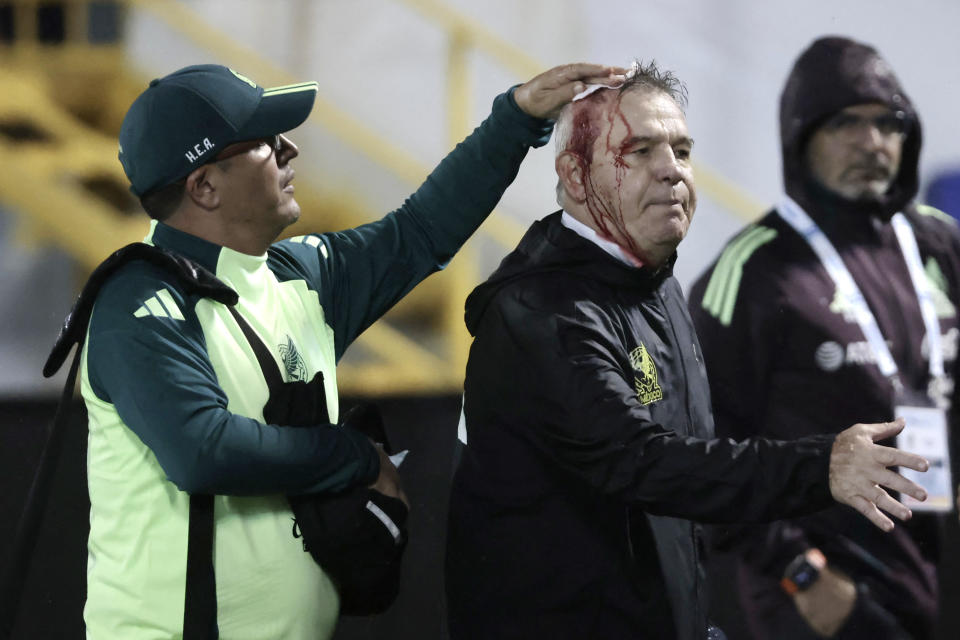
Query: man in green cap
[174,392]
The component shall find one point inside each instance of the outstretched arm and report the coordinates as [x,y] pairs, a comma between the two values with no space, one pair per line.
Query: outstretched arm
[360,273]
[574,396]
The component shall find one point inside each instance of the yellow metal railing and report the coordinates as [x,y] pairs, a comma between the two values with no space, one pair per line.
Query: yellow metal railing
[464,35]
[400,363]
[467,34]
[407,365]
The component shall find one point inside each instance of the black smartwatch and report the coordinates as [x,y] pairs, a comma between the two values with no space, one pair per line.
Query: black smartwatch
[803,571]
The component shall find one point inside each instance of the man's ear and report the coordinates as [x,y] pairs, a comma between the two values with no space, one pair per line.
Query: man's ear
[570,170]
[201,190]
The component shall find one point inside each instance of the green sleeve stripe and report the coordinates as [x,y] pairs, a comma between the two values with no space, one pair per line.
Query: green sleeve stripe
[939,289]
[721,295]
[927,210]
[935,274]
[712,294]
[733,283]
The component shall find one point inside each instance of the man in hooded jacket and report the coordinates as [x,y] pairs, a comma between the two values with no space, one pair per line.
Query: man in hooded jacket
[788,356]
[589,439]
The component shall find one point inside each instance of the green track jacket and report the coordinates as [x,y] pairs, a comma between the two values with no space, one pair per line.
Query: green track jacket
[175,397]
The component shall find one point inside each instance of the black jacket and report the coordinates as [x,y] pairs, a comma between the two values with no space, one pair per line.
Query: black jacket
[785,358]
[590,450]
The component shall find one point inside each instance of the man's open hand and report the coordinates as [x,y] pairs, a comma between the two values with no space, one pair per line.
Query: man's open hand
[859,469]
[545,95]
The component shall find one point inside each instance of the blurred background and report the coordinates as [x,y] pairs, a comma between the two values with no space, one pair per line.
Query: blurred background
[401,81]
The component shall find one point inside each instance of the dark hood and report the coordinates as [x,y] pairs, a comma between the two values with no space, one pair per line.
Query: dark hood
[832,74]
[550,247]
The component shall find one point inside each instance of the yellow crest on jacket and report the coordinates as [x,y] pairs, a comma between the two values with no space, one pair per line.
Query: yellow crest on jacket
[645,376]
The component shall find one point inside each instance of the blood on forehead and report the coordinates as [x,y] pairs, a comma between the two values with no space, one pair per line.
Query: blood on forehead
[587,118]
[584,132]
[585,124]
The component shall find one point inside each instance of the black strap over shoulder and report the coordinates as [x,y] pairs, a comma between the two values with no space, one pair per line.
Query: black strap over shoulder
[271,372]
[200,594]
[299,403]
[194,278]
[200,612]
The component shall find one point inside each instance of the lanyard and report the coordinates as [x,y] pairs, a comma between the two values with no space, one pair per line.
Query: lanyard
[797,218]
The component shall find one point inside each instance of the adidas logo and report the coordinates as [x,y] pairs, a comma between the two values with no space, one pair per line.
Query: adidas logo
[160,305]
[720,296]
[313,241]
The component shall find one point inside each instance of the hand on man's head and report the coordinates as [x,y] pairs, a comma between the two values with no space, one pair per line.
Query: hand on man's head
[859,469]
[545,95]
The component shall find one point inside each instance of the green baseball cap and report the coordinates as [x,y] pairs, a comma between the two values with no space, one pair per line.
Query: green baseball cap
[185,119]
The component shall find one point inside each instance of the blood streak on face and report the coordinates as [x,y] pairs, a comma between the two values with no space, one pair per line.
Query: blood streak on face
[585,130]
[633,151]
[583,138]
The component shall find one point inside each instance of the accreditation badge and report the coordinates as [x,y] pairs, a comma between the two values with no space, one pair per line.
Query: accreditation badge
[925,434]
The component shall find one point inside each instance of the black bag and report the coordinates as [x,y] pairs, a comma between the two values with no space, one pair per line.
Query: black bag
[357,536]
